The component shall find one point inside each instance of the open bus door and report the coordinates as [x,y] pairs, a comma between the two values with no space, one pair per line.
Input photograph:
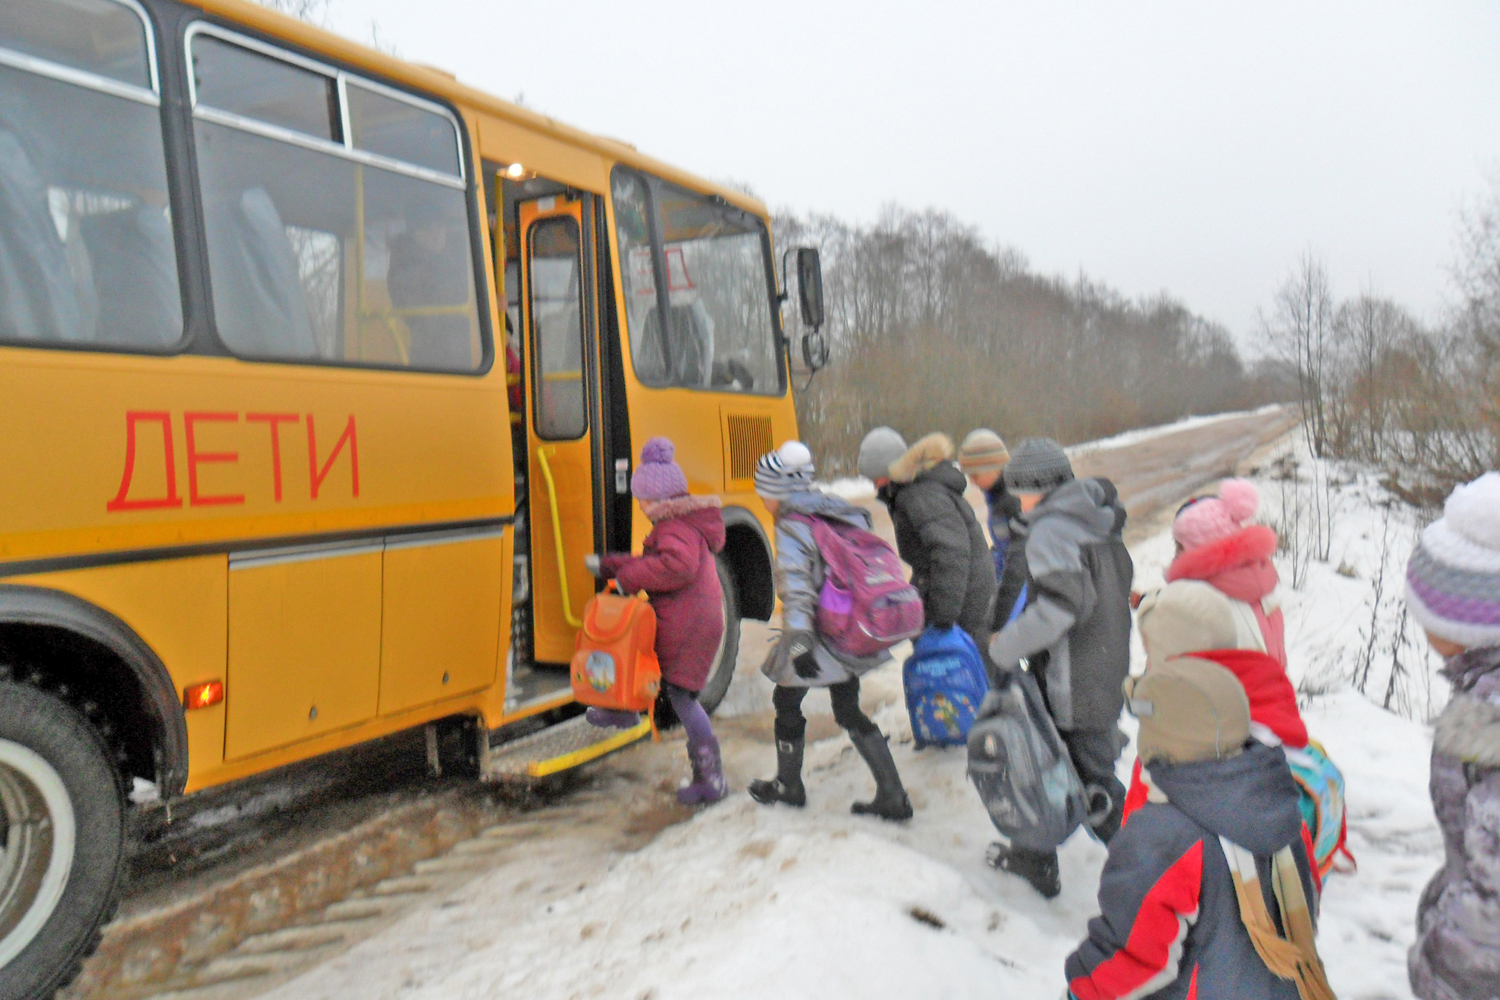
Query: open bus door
[558,302]
[568,498]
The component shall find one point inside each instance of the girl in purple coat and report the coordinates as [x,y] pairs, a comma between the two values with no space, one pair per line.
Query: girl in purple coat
[1453,590]
[676,569]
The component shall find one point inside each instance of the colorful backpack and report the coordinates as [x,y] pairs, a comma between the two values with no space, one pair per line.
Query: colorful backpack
[614,658]
[865,605]
[1022,771]
[1322,801]
[945,682]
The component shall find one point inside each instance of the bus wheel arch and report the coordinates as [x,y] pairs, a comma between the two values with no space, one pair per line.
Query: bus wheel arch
[748,552]
[92,660]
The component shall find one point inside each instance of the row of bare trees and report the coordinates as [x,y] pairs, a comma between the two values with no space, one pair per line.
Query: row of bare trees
[1421,402]
[934,329]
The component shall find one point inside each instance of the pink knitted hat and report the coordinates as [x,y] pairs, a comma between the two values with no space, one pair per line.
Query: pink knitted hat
[658,477]
[1209,519]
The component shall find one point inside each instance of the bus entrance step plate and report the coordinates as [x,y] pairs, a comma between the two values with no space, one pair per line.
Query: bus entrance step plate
[556,749]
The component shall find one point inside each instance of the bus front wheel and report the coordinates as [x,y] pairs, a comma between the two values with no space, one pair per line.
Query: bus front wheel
[729,647]
[62,826]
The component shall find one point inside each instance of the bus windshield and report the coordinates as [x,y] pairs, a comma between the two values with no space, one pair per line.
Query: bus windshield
[721,332]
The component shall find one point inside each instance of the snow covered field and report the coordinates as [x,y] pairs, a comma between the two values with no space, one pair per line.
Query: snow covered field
[750,902]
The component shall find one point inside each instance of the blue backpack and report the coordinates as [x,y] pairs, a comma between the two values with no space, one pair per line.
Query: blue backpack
[945,682]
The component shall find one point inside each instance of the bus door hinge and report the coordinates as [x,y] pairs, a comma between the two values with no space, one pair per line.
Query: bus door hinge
[622,476]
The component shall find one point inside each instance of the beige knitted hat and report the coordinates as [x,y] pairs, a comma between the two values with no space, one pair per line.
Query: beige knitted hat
[982,451]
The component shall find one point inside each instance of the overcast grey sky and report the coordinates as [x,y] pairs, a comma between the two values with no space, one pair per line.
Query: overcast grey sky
[1197,148]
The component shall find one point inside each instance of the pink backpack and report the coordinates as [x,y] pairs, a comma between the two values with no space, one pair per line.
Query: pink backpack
[865,605]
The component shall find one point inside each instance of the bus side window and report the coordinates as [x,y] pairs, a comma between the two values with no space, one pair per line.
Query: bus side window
[86,248]
[346,248]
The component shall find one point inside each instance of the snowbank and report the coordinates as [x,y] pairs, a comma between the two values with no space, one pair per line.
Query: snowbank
[1161,430]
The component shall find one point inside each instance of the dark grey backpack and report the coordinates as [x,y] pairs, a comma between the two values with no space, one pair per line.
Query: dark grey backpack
[1022,770]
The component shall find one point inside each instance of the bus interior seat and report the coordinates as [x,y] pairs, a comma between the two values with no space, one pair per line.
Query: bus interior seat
[39,295]
[135,275]
[259,302]
[684,357]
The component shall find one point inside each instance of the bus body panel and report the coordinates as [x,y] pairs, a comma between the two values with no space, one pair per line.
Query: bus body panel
[106,498]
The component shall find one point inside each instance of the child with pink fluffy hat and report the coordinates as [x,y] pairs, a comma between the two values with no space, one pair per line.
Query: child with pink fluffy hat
[1216,545]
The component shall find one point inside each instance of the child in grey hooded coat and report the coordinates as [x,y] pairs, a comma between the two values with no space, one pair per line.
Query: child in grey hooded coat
[1453,590]
[801,659]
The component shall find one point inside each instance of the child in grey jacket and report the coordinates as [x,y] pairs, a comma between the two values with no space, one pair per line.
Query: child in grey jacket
[1453,590]
[801,660]
[1075,630]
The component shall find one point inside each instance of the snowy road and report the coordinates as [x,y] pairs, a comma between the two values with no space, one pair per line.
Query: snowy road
[616,891]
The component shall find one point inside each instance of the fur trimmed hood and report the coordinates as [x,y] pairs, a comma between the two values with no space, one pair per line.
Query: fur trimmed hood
[1469,727]
[930,451]
[1239,565]
[663,510]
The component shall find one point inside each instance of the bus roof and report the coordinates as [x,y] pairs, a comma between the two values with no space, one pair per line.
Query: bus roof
[445,84]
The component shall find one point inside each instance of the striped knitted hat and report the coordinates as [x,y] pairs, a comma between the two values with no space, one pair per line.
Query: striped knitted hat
[1453,579]
[1037,466]
[982,451]
[787,470]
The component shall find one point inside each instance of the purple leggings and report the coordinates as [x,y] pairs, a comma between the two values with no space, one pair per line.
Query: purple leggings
[694,719]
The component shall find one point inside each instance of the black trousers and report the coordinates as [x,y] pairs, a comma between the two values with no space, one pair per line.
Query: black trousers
[1094,753]
[791,724]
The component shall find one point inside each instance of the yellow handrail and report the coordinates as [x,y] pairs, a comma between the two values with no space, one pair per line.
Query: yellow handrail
[562,566]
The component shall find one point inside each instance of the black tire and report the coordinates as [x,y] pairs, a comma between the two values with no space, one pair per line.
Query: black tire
[48,729]
[723,673]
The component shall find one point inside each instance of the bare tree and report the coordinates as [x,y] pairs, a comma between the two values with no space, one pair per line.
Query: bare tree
[1301,331]
[311,11]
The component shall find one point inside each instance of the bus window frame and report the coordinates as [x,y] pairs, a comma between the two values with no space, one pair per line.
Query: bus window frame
[465,181]
[533,342]
[663,295]
[184,237]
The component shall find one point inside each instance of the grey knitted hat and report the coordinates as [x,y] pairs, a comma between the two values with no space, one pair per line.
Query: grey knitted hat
[1036,466]
[878,450]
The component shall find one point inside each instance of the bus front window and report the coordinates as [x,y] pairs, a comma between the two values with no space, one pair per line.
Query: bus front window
[720,332]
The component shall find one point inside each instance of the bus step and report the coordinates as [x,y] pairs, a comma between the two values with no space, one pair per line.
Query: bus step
[556,749]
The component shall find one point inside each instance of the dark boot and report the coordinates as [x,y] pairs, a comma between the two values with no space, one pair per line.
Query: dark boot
[612,718]
[890,800]
[787,785]
[708,784]
[1037,867]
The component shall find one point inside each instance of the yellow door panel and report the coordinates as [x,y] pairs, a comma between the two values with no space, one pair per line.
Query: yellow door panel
[561,441]
[304,646]
[442,619]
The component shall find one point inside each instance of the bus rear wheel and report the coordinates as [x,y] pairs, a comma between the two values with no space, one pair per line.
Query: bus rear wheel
[62,826]
[729,647]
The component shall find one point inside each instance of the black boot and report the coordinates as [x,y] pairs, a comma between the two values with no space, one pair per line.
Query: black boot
[890,800]
[1037,867]
[787,785]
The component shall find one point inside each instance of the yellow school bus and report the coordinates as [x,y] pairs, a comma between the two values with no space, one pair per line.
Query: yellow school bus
[320,375]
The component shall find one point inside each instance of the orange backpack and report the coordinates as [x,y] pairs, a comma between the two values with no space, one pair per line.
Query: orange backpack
[614,659]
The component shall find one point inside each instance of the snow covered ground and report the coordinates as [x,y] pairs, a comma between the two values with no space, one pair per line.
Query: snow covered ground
[751,902]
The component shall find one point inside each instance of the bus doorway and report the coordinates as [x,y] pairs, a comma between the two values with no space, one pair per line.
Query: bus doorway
[548,251]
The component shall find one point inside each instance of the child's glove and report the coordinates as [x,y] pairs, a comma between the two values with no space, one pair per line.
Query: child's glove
[591,563]
[796,647]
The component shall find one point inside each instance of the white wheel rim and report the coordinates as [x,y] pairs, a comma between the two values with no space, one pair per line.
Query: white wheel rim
[41,832]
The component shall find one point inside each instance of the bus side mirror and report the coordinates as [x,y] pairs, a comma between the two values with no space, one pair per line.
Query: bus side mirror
[814,350]
[810,287]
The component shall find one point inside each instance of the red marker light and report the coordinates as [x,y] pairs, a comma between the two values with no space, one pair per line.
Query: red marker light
[203,695]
